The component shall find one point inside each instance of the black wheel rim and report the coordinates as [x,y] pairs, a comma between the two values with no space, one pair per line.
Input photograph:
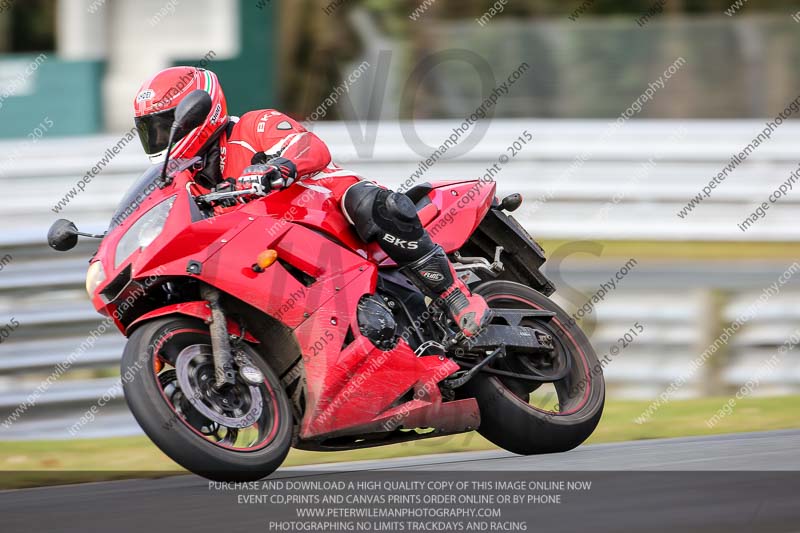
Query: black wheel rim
[559,398]
[187,406]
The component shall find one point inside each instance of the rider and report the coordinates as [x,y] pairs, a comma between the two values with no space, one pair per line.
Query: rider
[271,151]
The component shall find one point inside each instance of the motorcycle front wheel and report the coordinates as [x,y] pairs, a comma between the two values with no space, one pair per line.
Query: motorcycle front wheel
[509,416]
[240,433]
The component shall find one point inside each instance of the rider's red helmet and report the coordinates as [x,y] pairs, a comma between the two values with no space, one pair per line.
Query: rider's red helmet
[154,111]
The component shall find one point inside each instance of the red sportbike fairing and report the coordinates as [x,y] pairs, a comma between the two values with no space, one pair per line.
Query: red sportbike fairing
[254,327]
[313,289]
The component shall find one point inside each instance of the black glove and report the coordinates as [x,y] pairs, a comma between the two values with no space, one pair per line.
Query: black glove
[278,173]
[288,172]
[258,177]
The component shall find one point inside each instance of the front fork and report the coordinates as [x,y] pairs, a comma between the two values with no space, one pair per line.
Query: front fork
[224,372]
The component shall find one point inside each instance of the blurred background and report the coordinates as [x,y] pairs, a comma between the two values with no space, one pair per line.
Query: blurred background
[633,107]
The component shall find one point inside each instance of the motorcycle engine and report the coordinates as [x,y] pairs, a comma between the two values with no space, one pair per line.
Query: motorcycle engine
[376,322]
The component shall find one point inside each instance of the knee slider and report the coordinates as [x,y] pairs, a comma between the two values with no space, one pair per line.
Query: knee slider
[358,204]
[400,206]
[396,214]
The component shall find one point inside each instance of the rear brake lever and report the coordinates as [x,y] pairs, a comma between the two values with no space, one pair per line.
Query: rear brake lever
[461,380]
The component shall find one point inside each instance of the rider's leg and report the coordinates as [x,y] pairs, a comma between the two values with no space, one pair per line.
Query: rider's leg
[391,219]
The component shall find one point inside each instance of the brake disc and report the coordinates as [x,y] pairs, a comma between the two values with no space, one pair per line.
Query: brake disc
[195,371]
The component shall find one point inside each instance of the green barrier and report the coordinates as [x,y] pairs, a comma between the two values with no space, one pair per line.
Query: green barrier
[42,89]
[248,78]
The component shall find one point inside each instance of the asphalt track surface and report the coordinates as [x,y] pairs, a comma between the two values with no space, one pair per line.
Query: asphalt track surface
[730,483]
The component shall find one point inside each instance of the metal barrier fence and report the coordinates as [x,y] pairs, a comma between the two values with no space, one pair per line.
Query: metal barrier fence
[680,305]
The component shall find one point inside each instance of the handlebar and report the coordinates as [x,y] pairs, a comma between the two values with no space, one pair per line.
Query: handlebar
[216,196]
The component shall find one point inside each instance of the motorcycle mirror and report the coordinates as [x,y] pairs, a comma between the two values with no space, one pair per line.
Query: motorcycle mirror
[189,114]
[511,202]
[192,110]
[63,235]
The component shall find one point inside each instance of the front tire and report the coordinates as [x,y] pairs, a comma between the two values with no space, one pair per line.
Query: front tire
[507,418]
[179,428]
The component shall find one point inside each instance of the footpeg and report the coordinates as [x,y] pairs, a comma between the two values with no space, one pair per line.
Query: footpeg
[472,372]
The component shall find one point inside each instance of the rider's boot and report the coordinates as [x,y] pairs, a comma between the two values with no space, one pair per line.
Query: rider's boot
[434,275]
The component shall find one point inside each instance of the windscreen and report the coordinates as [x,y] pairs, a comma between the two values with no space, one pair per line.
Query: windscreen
[143,187]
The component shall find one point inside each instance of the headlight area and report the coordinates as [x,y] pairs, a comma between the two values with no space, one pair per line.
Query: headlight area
[94,277]
[144,231]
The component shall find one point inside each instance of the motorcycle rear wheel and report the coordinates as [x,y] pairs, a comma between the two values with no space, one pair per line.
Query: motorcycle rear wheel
[507,417]
[202,445]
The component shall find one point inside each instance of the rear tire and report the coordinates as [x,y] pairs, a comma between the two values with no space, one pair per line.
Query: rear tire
[507,419]
[173,433]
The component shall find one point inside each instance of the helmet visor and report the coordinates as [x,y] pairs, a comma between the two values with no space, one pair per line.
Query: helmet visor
[154,130]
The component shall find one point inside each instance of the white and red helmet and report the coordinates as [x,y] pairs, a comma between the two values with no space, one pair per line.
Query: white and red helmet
[154,112]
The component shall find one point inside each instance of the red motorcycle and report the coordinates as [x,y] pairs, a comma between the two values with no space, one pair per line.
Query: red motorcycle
[269,325]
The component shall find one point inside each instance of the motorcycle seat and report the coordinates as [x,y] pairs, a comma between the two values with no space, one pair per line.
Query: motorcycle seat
[419,192]
[427,210]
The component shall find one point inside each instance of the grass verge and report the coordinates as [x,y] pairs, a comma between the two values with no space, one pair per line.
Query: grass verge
[690,250]
[38,463]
